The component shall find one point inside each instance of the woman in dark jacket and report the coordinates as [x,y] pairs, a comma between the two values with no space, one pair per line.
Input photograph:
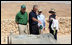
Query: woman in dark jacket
[53,15]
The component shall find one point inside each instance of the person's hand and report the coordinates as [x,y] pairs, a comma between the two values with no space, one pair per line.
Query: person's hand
[51,19]
[16,23]
[39,22]
[44,29]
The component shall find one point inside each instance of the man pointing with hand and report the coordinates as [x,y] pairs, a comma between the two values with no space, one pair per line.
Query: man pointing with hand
[33,21]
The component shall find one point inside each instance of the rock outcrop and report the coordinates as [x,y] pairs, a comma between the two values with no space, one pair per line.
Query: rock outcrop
[9,24]
[32,39]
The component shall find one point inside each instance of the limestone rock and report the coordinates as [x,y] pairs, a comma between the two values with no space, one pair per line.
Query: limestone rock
[32,39]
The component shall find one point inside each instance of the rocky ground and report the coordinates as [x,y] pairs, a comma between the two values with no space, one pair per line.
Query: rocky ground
[8,25]
[63,11]
[64,38]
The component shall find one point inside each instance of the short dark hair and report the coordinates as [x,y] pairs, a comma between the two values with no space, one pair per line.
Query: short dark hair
[34,6]
[52,12]
[40,11]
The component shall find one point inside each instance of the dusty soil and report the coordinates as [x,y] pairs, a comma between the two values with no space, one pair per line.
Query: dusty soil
[63,11]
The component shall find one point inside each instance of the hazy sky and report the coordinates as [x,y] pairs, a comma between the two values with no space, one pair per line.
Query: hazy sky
[66,2]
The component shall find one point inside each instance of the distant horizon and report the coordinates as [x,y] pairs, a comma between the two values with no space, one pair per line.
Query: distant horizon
[65,2]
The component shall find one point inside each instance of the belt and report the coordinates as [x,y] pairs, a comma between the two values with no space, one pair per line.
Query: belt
[23,24]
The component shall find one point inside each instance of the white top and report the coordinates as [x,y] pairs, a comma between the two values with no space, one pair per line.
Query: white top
[55,24]
[41,18]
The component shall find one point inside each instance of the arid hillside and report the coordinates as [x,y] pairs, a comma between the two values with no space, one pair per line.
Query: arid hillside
[63,11]
[9,10]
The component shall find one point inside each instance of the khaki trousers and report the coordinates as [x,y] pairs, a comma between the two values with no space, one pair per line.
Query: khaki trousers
[23,29]
[41,31]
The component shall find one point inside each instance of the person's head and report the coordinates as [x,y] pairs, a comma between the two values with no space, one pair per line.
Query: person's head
[52,12]
[23,8]
[39,11]
[35,8]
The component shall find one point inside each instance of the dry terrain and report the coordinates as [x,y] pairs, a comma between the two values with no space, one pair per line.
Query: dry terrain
[63,11]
